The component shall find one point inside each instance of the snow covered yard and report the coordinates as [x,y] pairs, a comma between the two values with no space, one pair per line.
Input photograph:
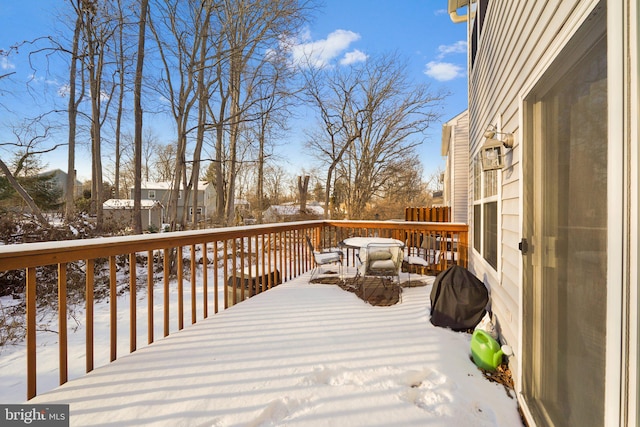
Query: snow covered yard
[300,354]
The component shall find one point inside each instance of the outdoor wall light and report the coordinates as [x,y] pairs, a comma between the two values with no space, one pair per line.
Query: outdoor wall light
[493,150]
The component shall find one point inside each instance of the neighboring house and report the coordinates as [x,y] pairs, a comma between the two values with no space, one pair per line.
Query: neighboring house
[437,199]
[455,149]
[121,212]
[291,212]
[60,181]
[160,191]
[553,106]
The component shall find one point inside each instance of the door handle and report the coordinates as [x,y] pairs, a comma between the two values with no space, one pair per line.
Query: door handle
[523,246]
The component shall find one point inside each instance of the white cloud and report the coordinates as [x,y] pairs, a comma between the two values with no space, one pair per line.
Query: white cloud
[353,57]
[457,47]
[440,12]
[320,53]
[64,91]
[443,71]
[32,78]
[5,64]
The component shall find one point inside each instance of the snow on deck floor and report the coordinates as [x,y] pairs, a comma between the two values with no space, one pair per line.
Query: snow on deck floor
[298,355]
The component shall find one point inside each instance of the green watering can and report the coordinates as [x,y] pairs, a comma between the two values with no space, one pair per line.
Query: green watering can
[486,352]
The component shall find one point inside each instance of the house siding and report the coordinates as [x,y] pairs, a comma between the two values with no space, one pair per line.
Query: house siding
[162,192]
[519,41]
[456,176]
[460,184]
[515,36]
[60,181]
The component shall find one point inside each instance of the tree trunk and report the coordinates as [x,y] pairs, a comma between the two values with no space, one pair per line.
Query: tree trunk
[260,185]
[69,207]
[94,67]
[203,98]
[303,189]
[121,81]
[25,196]
[220,190]
[137,94]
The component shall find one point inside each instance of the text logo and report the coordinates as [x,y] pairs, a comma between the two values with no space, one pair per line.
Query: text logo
[34,415]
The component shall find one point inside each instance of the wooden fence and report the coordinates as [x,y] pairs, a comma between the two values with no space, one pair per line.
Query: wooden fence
[439,214]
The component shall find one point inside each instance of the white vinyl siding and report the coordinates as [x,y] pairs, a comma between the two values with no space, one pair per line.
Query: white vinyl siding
[516,47]
[455,147]
[517,40]
[460,184]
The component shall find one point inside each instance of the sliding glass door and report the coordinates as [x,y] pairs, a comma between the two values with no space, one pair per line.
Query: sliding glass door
[566,222]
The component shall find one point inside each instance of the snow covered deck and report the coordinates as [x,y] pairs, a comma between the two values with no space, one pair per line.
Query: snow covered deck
[299,355]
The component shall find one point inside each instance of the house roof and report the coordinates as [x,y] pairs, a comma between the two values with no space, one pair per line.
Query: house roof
[128,204]
[58,172]
[166,185]
[290,210]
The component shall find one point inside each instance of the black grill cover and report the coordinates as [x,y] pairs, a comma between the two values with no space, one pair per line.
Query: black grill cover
[458,299]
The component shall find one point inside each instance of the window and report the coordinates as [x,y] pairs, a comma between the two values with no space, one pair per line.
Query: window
[490,228]
[152,194]
[485,212]
[477,24]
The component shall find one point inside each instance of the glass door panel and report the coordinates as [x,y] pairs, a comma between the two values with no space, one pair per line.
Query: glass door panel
[565,280]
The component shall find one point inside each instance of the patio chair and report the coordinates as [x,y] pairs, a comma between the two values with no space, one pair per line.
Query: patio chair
[321,258]
[383,260]
[426,256]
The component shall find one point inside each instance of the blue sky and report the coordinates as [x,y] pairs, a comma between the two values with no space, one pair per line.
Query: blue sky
[420,30]
[344,30]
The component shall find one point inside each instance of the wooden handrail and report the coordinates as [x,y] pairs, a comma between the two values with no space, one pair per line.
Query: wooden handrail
[272,247]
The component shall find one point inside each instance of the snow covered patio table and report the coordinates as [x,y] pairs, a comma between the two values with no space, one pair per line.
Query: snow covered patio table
[298,355]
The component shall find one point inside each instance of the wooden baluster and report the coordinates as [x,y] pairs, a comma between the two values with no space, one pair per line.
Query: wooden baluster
[133,318]
[31,332]
[149,297]
[89,281]
[62,322]
[113,309]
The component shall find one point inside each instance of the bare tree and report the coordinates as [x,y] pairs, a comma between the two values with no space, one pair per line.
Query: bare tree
[72,115]
[23,193]
[303,187]
[272,111]
[334,94]
[98,28]
[5,53]
[177,28]
[165,159]
[434,181]
[275,179]
[372,117]
[404,187]
[250,32]
[203,101]
[122,64]
[29,139]
[151,152]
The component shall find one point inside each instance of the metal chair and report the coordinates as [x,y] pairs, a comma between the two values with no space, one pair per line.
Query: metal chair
[383,260]
[427,255]
[323,258]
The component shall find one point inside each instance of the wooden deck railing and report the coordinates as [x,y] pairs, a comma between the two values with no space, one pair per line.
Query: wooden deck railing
[247,260]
